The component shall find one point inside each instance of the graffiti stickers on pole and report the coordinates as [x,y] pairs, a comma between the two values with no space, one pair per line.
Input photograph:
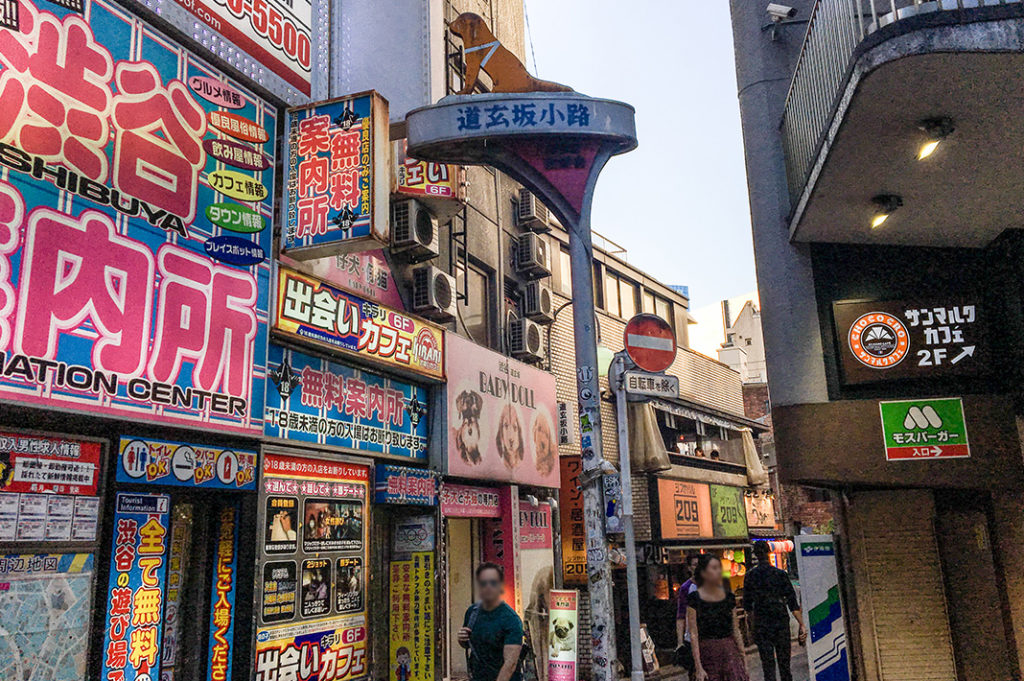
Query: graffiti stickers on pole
[317,400]
[312,310]
[131,645]
[118,293]
[145,460]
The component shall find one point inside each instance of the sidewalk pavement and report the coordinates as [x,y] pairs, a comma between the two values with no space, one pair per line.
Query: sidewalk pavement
[801,672]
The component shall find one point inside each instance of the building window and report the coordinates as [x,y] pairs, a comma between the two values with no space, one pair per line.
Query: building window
[474,310]
[564,272]
[611,295]
[619,296]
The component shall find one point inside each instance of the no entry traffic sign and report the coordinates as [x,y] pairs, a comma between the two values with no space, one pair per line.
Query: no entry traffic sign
[650,342]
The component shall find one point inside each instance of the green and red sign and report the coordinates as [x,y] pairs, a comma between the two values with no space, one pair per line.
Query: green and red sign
[924,429]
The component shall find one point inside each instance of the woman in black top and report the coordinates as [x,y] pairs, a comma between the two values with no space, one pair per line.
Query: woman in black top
[713,626]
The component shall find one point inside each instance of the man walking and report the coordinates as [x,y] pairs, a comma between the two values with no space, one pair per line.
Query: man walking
[492,631]
[768,598]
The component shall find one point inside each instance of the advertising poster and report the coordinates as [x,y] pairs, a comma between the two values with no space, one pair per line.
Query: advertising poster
[275,33]
[144,460]
[134,213]
[313,584]
[684,509]
[45,602]
[728,515]
[574,532]
[222,596]
[337,165]
[313,399]
[367,273]
[406,486]
[822,608]
[468,501]
[135,595]
[502,415]
[412,618]
[314,311]
[562,634]
[35,463]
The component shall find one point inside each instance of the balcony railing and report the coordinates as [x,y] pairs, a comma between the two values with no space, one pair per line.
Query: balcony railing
[834,30]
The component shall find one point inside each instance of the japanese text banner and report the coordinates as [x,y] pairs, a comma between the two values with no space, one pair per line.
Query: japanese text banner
[312,310]
[133,240]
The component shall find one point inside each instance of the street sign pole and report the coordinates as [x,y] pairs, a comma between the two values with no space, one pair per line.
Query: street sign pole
[616,377]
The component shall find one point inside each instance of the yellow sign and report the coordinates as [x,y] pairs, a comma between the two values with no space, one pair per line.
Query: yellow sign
[237,185]
[412,618]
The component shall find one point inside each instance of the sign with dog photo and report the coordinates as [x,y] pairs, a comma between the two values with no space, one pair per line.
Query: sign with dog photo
[564,608]
[501,417]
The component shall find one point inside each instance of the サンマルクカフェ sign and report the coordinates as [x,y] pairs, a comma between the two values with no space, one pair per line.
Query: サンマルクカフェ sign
[894,339]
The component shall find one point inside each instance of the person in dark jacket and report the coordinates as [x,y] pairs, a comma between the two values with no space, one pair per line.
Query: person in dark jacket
[769,598]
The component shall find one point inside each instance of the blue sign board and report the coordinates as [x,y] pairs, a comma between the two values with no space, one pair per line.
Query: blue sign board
[163,462]
[313,399]
[401,485]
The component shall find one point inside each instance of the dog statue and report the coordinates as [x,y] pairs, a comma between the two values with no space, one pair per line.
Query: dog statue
[484,51]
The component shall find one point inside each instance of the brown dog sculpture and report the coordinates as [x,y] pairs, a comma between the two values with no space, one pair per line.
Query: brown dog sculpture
[484,51]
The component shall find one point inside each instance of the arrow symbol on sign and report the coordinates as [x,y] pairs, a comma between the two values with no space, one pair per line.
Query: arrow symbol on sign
[936,451]
[967,351]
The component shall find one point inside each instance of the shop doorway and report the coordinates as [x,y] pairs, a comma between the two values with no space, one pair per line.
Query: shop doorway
[462,551]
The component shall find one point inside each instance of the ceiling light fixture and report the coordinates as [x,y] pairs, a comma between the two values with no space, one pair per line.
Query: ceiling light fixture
[936,130]
[885,205]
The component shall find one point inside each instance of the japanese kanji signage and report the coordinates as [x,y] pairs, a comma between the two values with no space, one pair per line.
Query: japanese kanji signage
[574,533]
[367,273]
[422,178]
[523,115]
[314,311]
[223,587]
[119,294]
[338,155]
[412,623]
[468,501]
[313,555]
[501,417]
[924,429]
[641,384]
[40,464]
[315,400]
[886,340]
[562,633]
[728,514]
[684,509]
[275,33]
[134,604]
[162,462]
[402,485]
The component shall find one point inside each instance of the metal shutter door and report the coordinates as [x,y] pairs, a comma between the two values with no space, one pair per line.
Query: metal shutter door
[906,594]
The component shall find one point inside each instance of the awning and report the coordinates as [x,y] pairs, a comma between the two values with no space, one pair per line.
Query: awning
[712,417]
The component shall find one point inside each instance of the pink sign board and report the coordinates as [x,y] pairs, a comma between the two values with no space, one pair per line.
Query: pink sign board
[534,526]
[367,273]
[501,416]
[468,501]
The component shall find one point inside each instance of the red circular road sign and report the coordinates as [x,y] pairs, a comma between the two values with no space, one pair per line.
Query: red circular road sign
[650,342]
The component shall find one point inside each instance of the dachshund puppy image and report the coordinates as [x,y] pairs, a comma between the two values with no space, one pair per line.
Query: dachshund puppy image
[467,436]
[561,637]
[544,446]
[510,437]
[484,51]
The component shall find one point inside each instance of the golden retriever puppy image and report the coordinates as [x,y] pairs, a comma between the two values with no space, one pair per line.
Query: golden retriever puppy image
[510,437]
[544,446]
[484,52]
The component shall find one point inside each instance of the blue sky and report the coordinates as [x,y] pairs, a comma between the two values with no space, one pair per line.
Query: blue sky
[678,203]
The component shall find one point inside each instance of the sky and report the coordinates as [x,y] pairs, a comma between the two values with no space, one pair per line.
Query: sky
[678,203]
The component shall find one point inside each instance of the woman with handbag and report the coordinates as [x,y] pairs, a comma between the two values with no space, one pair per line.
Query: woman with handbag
[714,627]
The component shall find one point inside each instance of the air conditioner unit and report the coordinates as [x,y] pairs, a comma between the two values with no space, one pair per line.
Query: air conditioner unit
[532,214]
[526,340]
[413,230]
[539,305]
[532,258]
[433,293]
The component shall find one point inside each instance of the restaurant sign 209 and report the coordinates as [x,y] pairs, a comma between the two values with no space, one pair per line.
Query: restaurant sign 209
[134,212]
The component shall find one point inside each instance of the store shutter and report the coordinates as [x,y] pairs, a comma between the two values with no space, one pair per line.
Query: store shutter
[904,622]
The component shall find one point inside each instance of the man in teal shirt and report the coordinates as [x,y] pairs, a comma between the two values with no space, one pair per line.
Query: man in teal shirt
[492,631]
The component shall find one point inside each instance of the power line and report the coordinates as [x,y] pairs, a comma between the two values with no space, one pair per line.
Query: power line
[529,36]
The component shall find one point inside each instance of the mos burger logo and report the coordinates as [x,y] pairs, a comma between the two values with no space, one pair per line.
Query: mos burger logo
[879,340]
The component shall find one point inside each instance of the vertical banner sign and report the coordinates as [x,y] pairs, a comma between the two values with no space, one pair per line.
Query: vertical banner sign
[924,429]
[502,544]
[337,173]
[134,621]
[313,554]
[728,515]
[222,596]
[133,224]
[822,608]
[412,618]
[574,533]
[275,33]
[562,633]
[177,568]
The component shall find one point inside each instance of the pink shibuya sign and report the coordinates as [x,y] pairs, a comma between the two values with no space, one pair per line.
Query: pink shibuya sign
[118,293]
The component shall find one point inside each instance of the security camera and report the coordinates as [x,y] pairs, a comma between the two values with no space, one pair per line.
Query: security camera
[779,12]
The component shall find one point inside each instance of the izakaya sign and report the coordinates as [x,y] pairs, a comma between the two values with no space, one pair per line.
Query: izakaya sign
[322,402]
[133,273]
[312,310]
[924,429]
[337,173]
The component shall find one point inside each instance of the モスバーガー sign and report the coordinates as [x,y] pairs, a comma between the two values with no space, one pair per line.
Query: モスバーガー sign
[118,294]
